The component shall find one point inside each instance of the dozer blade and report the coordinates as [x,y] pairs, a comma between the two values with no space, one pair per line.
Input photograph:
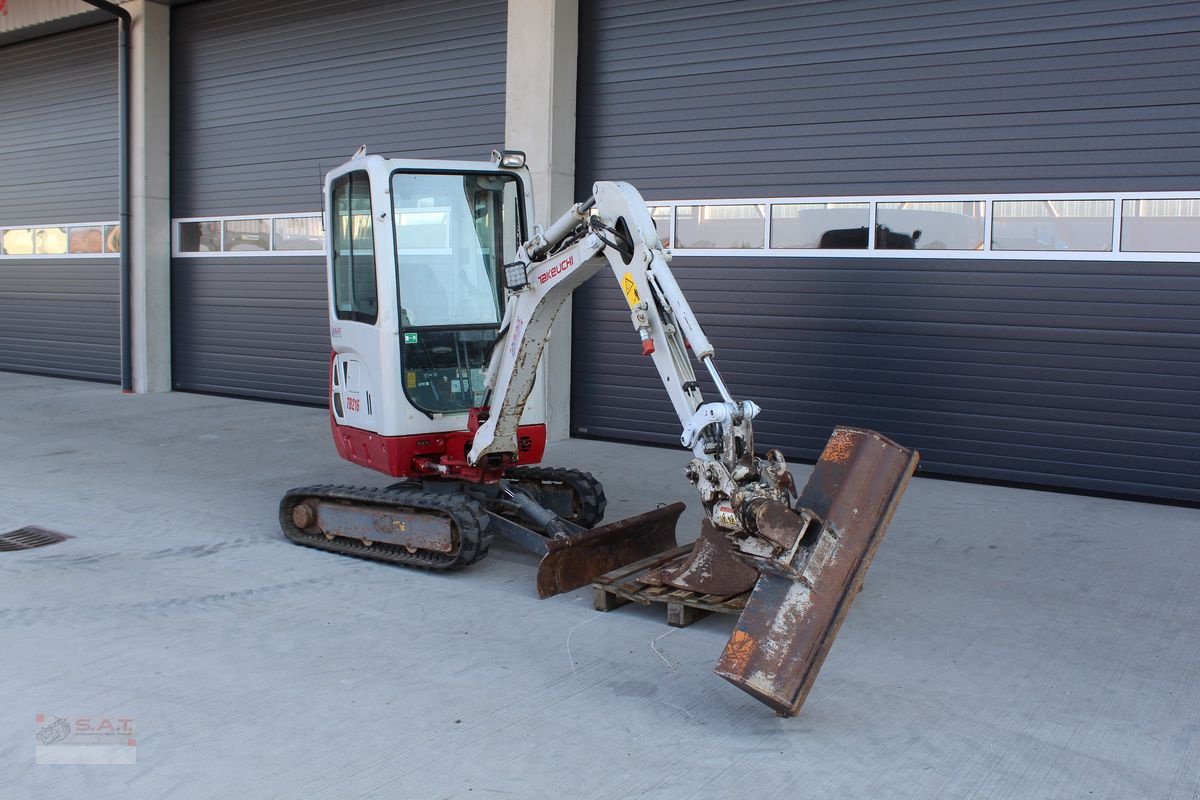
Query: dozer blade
[795,611]
[577,560]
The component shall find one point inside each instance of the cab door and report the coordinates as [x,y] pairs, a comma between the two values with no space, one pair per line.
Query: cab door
[353,302]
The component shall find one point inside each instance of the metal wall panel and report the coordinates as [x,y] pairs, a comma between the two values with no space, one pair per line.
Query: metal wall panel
[1074,374]
[61,317]
[257,329]
[717,99]
[268,97]
[58,162]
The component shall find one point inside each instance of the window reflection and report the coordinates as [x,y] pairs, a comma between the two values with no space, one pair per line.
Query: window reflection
[89,239]
[450,241]
[806,226]
[423,231]
[247,234]
[938,225]
[49,241]
[199,237]
[1161,226]
[662,223]
[18,242]
[299,233]
[355,291]
[1082,225]
[715,227]
[112,238]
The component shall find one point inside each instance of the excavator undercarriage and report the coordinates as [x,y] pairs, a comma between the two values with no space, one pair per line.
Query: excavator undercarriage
[445,524]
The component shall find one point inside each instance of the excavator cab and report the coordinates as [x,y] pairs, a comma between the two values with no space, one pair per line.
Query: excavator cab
[416,252]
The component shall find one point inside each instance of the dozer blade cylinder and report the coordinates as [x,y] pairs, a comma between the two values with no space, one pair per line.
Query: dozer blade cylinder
[576,560]
[790,621]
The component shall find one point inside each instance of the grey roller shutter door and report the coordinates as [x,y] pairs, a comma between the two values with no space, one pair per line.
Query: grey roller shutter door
[58,159]
[1071,374]
[266,98]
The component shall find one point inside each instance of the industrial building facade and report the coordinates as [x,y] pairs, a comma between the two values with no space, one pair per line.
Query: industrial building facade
[972,226]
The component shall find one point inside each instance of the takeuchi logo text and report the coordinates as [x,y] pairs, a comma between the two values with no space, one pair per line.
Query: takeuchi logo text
[557,269]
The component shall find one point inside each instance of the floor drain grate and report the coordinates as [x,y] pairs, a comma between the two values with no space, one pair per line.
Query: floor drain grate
[29,537]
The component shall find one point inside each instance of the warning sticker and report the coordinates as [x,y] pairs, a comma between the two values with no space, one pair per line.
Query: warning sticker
[410,379]
[629,287]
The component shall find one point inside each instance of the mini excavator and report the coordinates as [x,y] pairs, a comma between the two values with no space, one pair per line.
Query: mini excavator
[441,302]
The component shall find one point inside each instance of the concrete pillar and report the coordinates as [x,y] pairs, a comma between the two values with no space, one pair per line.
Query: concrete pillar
[150,186]
[543,49]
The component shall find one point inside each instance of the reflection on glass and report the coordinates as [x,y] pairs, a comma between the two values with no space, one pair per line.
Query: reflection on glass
[423,230]
[662,223]
[299,233]
[18,242]
[807,226]
[247,234]
[1161,226]
[720,226]
[1078,225]
[112,238]
[452,234]
[49,241]
[939,225]
[85,239]
[199,237]
[355,291]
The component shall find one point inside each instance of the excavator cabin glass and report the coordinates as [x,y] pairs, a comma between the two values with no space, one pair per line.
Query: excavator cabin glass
[354,287]
[453,232]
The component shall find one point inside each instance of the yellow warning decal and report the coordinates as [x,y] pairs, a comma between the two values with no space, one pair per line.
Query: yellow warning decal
[410,379]
[629,286]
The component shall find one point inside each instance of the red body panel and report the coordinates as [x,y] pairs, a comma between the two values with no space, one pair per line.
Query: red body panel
[428,454]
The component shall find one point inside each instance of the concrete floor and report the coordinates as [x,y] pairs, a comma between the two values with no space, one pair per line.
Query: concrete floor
[1007,644]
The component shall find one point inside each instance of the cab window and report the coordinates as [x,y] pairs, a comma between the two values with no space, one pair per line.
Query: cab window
[453,234]
[355,295]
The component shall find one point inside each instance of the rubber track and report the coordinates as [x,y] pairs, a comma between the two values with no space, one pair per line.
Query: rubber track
[468,516]
[588,491]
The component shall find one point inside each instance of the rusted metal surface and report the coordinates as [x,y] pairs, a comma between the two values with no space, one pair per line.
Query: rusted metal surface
[304,515]
[798,604]
[577,560]
[369,524]
[711,569]
[632,583]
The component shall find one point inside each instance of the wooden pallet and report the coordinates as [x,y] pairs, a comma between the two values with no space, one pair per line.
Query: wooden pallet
[684,607]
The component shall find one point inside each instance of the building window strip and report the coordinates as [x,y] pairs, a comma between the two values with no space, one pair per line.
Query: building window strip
[60,240]
[249,235]
[1093,226]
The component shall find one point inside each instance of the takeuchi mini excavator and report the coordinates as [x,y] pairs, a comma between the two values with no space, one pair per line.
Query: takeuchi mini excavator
[441,301]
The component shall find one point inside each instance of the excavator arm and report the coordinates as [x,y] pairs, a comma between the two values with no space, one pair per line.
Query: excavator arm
[804,560]
[614,223]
